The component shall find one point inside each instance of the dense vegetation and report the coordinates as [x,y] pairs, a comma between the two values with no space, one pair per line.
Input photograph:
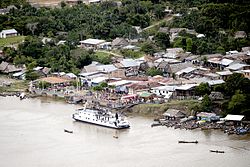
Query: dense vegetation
[6,3]
[236,93]
[218,21]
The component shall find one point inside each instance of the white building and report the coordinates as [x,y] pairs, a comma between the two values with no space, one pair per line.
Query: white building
[91,43]
[8,33]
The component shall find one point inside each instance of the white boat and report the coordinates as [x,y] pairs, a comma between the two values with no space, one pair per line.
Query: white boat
[101,117]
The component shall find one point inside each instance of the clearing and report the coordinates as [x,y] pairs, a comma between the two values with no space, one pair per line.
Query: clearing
[11,41]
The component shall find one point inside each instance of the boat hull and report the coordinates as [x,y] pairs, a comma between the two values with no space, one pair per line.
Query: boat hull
[103,125]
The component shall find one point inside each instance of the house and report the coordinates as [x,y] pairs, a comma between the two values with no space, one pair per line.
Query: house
[105,46]
[240,34]
[174,68]
[215,82]
[7,10]
[238,66]
[172,53]
[184,91]
[3,66]
[110,70]
[42,71]
[235,119]
[131,66]
[163,91]
[173,114]
[219,63]
[8,33]
[246,73]
[138,87]
[174,33]
[131,47]
[200,36]
[184,71]
[46,40]
[4,11]
[224,74]
[8,68]
[19,75]
[91,43]
[216,96]
[119,43]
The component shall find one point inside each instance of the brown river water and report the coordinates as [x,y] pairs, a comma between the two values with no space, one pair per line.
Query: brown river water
[31,135]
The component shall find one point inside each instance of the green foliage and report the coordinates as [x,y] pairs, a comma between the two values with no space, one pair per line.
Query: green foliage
[5,3]
[206,104]
[31,75]
[148,48]
[104,84]
[237,82]
[105,20]
[162,40]
[97,88]
[237,103]
[102,57]
[202,89]
[210,19]
[221,50]
[131,53]
[153,72]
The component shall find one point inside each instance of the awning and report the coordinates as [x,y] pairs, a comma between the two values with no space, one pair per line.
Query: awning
[146,94]
[231,117]
[129,96]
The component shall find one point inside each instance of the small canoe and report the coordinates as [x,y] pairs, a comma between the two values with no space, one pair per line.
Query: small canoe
[115,136]
[217,151]
[68,131]
[188,142]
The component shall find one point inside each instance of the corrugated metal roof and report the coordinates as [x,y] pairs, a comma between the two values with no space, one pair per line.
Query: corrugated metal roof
[185,70]
[231,117]
[224,73]
[215,82]
[226,62]
[186,87]
[92,41]
[10,31]
[236,66]
[106,68]
[129,63]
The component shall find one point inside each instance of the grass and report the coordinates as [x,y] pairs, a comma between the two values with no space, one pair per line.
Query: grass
[18,86]
[159,109]
[11,41]
[102,54]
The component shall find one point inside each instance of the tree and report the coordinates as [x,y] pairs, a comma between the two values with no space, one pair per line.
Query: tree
[162,40]
[202,89]
[206,104]
[237,103]
[153,72]
[237,82]
[31,75]
[221,50]
[148,48]
[189,43]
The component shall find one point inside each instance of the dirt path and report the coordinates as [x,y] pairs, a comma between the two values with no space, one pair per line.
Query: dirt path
[169,18]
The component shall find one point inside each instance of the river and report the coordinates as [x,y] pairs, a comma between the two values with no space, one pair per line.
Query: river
[32,136]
